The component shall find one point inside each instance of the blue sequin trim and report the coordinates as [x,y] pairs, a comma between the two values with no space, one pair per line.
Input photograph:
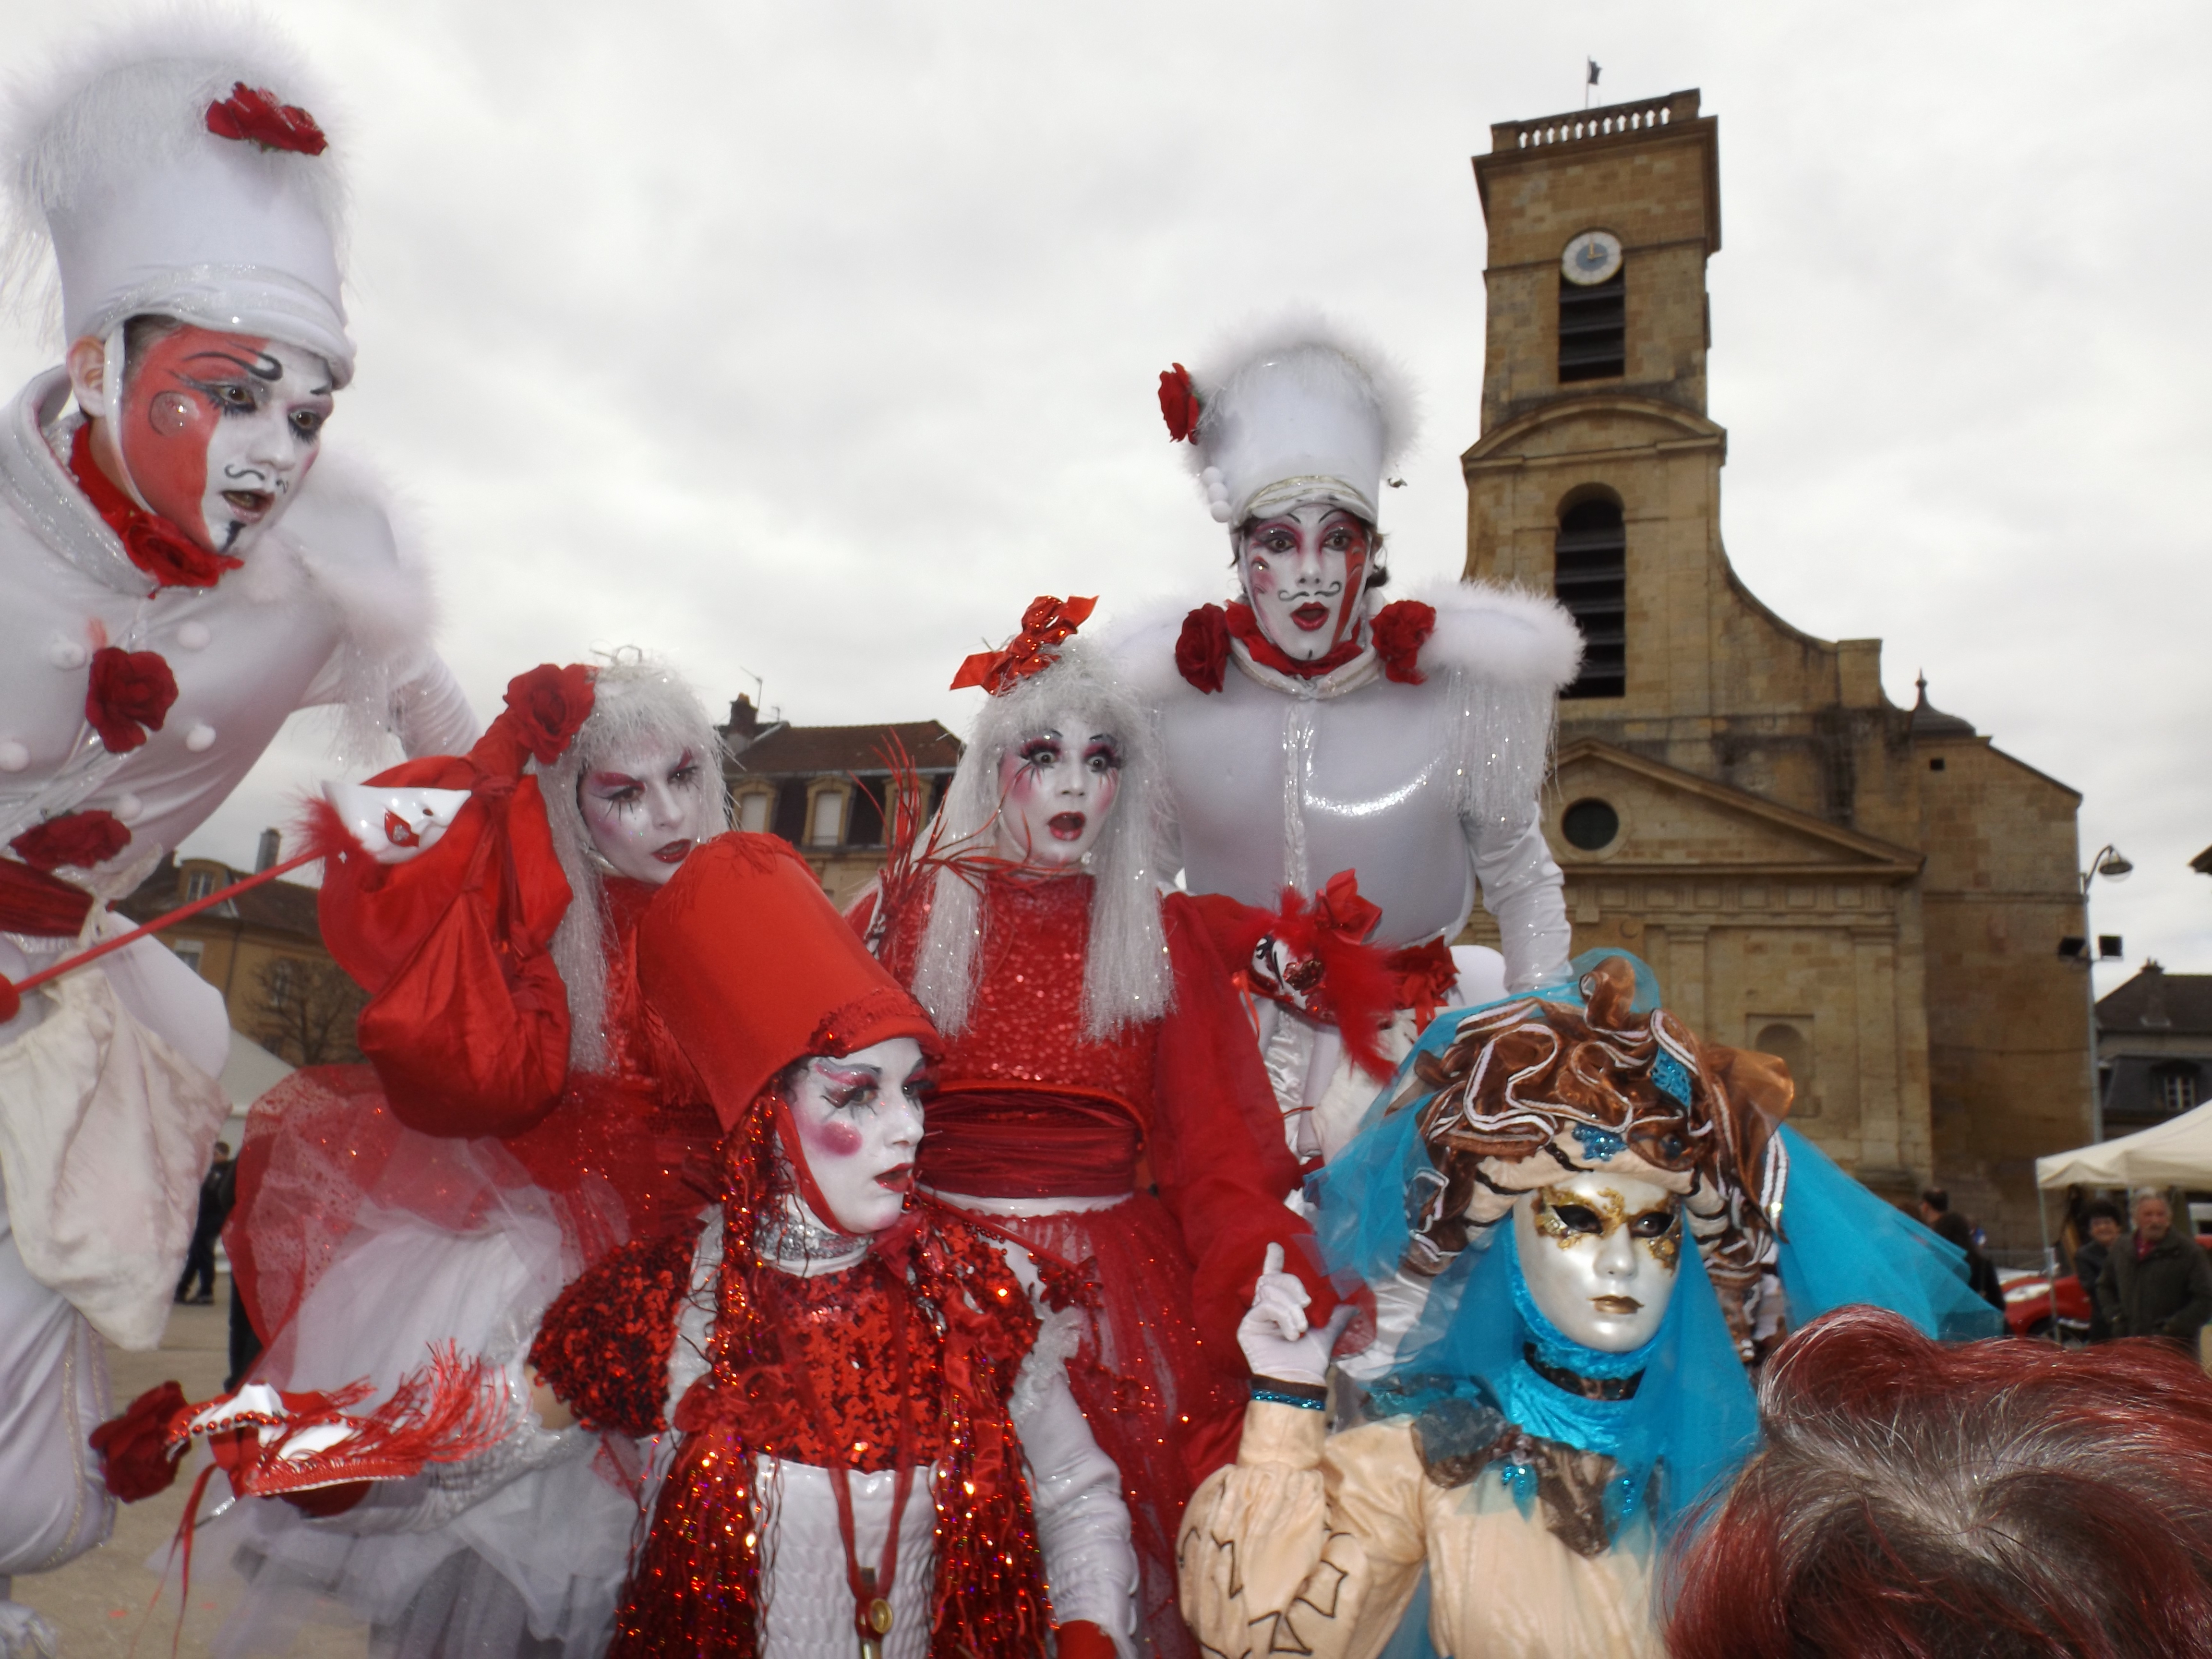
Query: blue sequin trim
[1670,1075]
[1273,1397]
[1598,1144]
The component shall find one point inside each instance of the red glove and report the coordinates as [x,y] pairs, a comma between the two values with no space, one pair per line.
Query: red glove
[1081,1639]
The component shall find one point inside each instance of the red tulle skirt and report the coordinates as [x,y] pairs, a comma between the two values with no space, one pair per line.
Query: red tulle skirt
[1159,1402]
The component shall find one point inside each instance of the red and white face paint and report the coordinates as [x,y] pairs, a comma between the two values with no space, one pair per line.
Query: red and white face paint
[647,809]
[218,431]
[1305,575]
[1055,789]
[859,1120]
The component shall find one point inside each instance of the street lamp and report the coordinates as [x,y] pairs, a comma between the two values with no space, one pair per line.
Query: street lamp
[2113,866]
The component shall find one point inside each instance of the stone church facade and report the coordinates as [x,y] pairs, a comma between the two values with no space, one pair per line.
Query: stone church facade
[1875,893]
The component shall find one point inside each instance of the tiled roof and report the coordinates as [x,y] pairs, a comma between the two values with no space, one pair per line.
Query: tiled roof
[812,751]
[2155,1000]
[284,907]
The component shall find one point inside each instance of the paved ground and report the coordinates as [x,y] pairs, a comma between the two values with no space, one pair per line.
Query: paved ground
[104,1601]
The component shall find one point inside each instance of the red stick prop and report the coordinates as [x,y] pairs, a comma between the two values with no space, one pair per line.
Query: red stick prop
[11,993]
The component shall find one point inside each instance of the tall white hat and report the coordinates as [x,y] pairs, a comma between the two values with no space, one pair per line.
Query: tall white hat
[174,171]
[1296,412]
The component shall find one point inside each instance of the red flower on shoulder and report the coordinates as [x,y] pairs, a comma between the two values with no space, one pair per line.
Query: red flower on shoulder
[1400,630]
[128,694]
[547,705]
[1179,405]
[79,840]
[135,1458]
[1202,649]
[252,115]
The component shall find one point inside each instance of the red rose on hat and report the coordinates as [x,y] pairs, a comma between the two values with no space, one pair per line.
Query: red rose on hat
[128,694]
[1179,405]
[253,115]
[79,840]
[1399,631]
[547,705]
[135,1458]
[1201,651]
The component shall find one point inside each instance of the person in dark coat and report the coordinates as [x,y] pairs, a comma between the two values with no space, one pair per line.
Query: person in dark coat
[2105,1228]
[218,1192]
[1981,1273]
[2160,1285]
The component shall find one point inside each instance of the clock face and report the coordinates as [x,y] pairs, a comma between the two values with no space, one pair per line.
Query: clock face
[1592,256]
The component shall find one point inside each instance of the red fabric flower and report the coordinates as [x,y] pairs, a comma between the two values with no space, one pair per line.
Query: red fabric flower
[547,705]
[128,694]
[135,1458]
[1179,405]
[1202,649]
[79,840]
[253,115]
[1047,622]
[1400,630]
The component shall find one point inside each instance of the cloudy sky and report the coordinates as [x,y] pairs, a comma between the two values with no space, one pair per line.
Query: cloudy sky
[809,341]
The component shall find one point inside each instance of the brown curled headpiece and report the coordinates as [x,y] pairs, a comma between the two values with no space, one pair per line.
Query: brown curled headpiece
[1529,1091]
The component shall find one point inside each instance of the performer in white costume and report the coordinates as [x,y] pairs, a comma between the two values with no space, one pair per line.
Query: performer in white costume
[1307,734]
[173,584]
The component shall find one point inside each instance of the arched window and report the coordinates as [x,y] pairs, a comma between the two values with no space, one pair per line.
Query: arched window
[1590,578]
[1594,329]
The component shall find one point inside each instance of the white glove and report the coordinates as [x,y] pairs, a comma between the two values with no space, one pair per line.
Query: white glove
[1277,1338]
[393,825]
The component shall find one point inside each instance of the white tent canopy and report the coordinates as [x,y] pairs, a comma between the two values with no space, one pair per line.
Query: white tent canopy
[2177,1153]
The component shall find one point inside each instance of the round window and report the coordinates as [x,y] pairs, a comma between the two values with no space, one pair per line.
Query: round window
[1590,825]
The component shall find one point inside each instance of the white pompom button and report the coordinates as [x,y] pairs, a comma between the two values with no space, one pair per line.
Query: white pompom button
[66,654]
[193,636]
[200,738]
[13,758]
[130,808]
[1220,511]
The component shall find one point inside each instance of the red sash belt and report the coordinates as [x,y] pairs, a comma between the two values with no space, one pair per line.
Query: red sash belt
[44,906]
[1025,1143]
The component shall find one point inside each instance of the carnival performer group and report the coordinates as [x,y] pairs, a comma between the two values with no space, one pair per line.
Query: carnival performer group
[1132,1228]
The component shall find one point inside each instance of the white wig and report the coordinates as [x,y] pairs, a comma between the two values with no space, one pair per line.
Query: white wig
[1125,975]
[635,702]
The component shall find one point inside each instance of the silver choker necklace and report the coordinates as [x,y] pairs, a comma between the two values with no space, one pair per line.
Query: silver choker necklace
[794,1241]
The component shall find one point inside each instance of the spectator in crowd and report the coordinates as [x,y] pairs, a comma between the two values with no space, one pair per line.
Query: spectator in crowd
[2104,1227]
[1934,1203]
[218,1192]
[2162,1286]
[1981,1275]
[1920,1500]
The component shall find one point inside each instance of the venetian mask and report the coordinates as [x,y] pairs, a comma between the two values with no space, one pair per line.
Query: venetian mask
[1055,788]
[859,1118]
[218,431]
[1305,575]
[1599,1253]
[646,809]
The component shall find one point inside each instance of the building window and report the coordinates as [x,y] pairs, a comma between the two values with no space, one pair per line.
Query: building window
[1590,579]
[198,883]
[190,951]
[791,811]
[1594,329]
[280,982]
[2177,1089]
[753,809]
[1590,824]
[1787,1042]
[867,826]
[826,822]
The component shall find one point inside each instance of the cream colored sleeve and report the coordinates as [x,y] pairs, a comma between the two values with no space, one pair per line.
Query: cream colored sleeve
[1309,1544]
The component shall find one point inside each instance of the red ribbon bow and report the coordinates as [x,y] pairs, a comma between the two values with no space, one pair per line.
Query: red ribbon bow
[1044,625]
[252,115]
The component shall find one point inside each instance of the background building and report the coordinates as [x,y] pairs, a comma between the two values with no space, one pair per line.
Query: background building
[2154,1048]
[1875,893]
[822,788]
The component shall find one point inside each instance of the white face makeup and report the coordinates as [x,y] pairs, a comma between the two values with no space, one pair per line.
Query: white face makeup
[1305,574]
[218,431]
[1055,789]
[860,1120]
[1599,1252]
[646,809]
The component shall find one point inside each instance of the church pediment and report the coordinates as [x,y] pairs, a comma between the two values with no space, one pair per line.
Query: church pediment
[1588,426]
[1663,819]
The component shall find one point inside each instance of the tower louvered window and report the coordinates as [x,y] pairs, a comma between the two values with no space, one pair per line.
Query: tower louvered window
[1594,329]
[1590,578]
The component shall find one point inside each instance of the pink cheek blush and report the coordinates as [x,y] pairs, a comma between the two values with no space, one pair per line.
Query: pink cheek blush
[838,1139]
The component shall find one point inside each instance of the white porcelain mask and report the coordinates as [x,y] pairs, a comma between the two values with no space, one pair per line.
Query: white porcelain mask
[1305,574]
[1599,1252]
[647,808]
[1055,789]
[858,1117]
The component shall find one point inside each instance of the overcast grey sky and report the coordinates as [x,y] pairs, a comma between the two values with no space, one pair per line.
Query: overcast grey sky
[813,339]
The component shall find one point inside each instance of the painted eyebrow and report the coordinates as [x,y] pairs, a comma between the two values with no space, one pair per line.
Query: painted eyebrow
[613,779]
[237,362]
[850,1074]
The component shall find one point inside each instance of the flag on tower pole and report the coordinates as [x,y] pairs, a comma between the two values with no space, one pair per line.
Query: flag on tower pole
[1592,70]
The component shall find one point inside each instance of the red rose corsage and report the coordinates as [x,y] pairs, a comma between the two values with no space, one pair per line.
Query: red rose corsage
[1179,405]
[136,1459]
[1201,652]
[1046,623]
[77,840]
[1399,631]
[128,695]
[252,115]
[546,706]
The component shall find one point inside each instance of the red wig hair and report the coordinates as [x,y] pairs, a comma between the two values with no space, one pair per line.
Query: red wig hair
[2000,1499]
